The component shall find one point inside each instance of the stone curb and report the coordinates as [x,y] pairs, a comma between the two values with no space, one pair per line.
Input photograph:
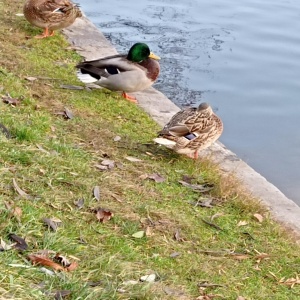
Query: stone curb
[90,43]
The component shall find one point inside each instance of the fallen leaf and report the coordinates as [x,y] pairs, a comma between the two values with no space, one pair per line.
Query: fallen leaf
[68,113]
[19,190]
[133,159]
[79,203]
[207,284]
[117,138]
[148,278]
[5,131]
[197,187]
[30,78]
[258,217]
[94,283]
[177,236]
[130,282]
[239,256]
[242,223]
[101,167]
[9,100]
[71,87]
[290,281]
[52,223]
[96,192]
[44,261]
[103,214]
[20,243]
[174,293]
[108,163]
[62,260]
[61,294]
[156,177]
[175,254]
[72,266]
[138,234]
[4,246]
[208,202]
[143,176]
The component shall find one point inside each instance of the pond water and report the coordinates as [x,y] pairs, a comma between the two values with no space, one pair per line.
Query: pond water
[241,56]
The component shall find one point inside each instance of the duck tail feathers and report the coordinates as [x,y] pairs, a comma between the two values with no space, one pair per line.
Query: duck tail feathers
[86,78]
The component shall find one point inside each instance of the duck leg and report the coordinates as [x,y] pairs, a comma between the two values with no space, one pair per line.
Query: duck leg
[129,98]
[45,34]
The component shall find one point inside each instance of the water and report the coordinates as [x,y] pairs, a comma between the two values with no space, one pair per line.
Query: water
[241,56]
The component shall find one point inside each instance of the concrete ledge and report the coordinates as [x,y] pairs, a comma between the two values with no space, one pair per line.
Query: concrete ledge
[92,44]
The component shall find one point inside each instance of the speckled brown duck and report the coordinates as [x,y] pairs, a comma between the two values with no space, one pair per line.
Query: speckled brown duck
[50,14]
[133,72]
[191,130]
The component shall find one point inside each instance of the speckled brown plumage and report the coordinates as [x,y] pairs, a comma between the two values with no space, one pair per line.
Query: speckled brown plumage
[191,130]
[50,14]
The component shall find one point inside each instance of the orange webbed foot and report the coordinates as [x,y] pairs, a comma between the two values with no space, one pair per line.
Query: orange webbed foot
[129,98]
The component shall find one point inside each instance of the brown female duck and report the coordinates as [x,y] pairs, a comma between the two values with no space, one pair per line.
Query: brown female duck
[133,72]
[191,130]
[50,14]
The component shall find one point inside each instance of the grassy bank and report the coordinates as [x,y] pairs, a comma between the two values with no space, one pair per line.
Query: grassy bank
[222,249]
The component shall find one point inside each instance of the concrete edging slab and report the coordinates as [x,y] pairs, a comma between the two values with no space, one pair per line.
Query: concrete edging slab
[91,44]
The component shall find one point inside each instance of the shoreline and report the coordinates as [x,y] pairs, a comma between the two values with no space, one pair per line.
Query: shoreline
[90,43]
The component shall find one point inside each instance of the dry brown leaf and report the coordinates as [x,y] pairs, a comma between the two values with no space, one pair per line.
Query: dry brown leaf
[20,243]
[133,159]
[5,131]
[103,214]
[156,177]
[202,188]
[242,223]
[258,217]
[177,236]
[9,100]
[52,223]
[240,256]
[44,261]
[96,192]
[72,266]
[71,87]
[30,78]
[19,190]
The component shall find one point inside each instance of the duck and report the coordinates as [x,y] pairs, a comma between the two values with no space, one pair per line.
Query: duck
[191,130]
[50,14]
[126,73]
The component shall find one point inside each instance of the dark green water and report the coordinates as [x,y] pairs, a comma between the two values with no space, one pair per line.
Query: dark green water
[243,57]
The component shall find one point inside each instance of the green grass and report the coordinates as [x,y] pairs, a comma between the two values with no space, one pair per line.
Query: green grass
[53,160]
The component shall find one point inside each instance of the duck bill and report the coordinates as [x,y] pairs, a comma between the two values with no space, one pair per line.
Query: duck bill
[152,55]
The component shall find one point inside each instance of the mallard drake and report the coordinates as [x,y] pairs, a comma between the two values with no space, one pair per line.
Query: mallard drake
[133,72]
[191,130]
[50,14]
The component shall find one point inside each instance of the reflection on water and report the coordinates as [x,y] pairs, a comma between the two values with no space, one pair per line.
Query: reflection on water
[242,56]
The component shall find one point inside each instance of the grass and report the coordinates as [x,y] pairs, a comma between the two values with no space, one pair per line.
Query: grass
[53,160]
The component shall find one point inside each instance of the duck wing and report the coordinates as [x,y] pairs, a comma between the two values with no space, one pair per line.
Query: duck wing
[107,66]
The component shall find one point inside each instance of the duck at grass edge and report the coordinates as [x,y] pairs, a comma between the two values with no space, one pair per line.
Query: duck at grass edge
[133,72]
[191,130]
[50,14]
